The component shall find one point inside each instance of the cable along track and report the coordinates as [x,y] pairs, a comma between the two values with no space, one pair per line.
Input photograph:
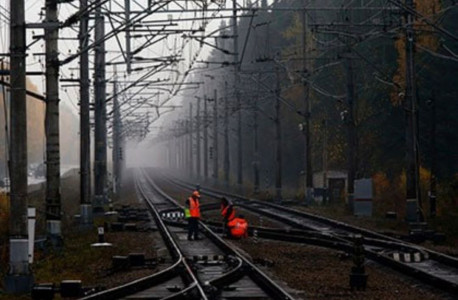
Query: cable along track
[434,268]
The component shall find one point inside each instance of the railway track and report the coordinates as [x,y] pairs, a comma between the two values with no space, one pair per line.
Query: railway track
[204,269]
[431,267]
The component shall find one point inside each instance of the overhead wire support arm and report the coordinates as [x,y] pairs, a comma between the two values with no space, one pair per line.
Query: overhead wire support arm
[28,92]
[114,32]
[422,18]
[246,40]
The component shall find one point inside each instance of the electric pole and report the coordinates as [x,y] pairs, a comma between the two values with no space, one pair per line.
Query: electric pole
[278,143]
[433,183]
[53,206]
[414,207]
[19,277]
[227,164]
[351,133]
[215,135]
[180,150]
[85,130]
[128,50]
[325,161]
[306,129]
[256,143]
[205,153]
[116,141]
[183,148]
[198,137]
[100,161]
[190,129]
[237,96]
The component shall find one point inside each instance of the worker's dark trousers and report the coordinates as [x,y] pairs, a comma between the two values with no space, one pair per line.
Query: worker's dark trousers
[193,228]
[226,229]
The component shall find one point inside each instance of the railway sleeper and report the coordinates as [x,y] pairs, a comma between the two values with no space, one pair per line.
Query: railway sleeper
[212,259]
[414,257]
[174,215]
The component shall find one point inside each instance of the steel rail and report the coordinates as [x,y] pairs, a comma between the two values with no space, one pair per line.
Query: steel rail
[161,277]
[259,277]
[370,237]
[172,245]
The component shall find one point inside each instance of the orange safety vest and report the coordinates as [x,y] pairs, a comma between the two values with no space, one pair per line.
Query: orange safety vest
[239,228]
[224,212]
[194,209]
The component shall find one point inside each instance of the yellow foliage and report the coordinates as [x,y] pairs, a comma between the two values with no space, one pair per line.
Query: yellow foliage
[4,212]
[426,39]
[295,30]
[392,195]
[381,183]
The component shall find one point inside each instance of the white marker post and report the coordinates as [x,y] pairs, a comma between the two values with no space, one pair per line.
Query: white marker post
[101,232]
[31,216]
[101,238]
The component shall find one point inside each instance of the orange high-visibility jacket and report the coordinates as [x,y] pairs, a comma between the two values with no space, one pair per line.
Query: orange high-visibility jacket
[225,210]
[239,227]
[194,208]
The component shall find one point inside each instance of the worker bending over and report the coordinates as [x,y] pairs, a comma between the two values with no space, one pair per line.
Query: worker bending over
[238,227]
[228,214]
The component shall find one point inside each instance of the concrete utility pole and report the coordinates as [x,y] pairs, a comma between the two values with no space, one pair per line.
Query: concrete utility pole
[184,148]
[179,149]
[227,164]
[433,155]
[414,207]
[116,141]
[19,278]
[169,155]
[198,137]
[190,130]
[306,129]
[205,153]
[215,135]
[256,143]
[237,95]
[53,206]
[85,130]
[352,141]
[278,143]
[100,136]
[128,50]
[325,161]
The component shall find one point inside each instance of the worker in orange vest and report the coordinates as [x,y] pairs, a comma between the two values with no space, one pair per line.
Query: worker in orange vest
[238,227]
[228,214]
[194,212]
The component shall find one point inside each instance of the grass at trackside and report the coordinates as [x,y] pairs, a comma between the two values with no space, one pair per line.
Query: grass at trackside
[77,259]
